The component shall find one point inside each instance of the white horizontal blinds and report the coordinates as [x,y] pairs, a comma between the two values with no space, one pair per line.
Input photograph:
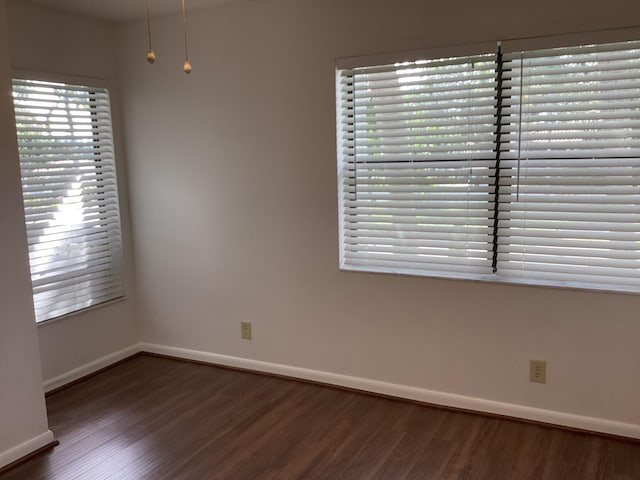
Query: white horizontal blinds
[575,216]
[70,195]
[416,162]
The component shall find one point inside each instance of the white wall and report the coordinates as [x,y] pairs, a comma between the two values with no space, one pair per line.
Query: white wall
[23,421]
[52,42]
[234,198]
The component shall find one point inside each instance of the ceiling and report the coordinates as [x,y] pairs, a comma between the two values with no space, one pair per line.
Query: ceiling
[123,10]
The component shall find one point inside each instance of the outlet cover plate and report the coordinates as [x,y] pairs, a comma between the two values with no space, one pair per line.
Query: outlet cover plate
[245,330]
[538,371]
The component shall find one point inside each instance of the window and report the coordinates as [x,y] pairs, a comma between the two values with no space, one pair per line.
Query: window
[519,167]
[70,195]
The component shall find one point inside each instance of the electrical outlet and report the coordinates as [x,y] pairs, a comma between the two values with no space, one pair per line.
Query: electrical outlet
[245,330]
[538,371]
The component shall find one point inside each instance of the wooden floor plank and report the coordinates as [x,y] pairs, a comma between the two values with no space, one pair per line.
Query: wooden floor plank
[157,418]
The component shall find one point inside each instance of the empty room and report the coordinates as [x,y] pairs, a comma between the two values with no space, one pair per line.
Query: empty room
[319,239]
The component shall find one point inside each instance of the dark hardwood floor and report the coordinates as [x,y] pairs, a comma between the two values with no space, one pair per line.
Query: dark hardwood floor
[155,418]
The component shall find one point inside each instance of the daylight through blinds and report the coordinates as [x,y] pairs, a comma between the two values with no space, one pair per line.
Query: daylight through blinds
[70,195]
[521,166]
[416,150]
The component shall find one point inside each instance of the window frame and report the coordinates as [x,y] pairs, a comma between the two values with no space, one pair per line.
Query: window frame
[97,83]
[509,45]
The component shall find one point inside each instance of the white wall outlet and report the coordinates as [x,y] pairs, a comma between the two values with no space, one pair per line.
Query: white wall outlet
[538,371]
[245,330]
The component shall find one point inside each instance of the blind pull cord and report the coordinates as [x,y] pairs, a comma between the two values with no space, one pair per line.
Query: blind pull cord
[520,124]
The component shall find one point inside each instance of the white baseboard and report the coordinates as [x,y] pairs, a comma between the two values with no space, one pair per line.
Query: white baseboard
[593,424]
[403,391]
[84,370]
[24,449]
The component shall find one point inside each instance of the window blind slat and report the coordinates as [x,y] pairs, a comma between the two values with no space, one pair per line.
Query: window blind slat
[79,298]
[70,278]
[74,243]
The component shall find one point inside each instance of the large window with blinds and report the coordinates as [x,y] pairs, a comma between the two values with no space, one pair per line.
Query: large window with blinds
[70,195]
[512,166]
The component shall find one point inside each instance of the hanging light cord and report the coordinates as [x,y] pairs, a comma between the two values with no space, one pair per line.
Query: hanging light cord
[187,65]
[149,23]
[151,55]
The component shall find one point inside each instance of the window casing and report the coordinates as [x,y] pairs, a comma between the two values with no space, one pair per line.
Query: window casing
[519,167]
[70,196]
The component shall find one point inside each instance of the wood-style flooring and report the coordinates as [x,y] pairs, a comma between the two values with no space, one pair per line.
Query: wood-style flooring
[156,418]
